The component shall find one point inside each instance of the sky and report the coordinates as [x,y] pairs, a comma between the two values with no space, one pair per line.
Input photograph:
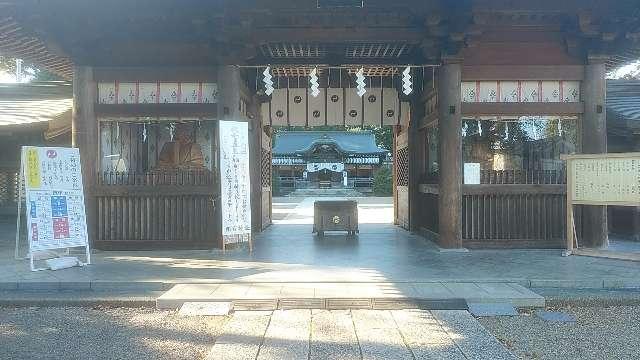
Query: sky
[633,69]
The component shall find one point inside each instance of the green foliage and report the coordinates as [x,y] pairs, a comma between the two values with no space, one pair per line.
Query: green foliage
[383,182]
[275,184]
[384,136]
[32,73]
[7,64]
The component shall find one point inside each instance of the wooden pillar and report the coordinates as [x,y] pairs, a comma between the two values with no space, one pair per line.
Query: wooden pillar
[635,211]
[417,113]
[255,163]
[594,140]
[449,122]
[85,136]
[229,92]
[394,174]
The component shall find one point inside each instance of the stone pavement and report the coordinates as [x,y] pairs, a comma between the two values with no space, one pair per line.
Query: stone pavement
[356,334]
[287,252]
[322,295]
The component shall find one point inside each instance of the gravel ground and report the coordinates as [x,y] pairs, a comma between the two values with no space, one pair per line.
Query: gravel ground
[599,333]
[104,333]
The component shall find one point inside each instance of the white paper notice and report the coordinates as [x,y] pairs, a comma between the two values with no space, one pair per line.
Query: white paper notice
[235,182]
[472,173]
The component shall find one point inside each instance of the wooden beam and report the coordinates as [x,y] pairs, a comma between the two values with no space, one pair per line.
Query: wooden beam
[155,110]
[512,189]
[164,74]
[541,108]
[520,72]
[336,34]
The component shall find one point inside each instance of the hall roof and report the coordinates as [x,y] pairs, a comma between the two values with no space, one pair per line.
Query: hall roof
[350,142]
[623,107]
[45,104]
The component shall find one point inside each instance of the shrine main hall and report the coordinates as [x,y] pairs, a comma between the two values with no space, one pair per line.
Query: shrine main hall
[483,98]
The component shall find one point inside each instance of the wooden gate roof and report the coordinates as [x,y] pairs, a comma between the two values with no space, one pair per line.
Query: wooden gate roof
[56,34]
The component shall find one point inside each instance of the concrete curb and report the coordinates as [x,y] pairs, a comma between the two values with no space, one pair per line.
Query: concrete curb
[126,303]
[161,285]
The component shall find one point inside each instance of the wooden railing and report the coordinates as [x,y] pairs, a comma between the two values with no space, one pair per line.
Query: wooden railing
[513,215]
[156,210]
[536,177]
[428,211]
[8,191]
[516,215]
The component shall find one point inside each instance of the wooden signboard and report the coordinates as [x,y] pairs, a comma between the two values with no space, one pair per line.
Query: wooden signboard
[601,179]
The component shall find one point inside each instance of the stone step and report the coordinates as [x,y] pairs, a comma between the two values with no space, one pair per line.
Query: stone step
[429,295]
[325,192]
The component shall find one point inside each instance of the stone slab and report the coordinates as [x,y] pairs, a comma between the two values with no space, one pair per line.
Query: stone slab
[333,336]
[492,309]
[181,293]
[424,335]
[347,295]
[432,291]
[242,337]
[378,335]
[572,284]
[287,336]
[206,309]
[555,316]
[470,336]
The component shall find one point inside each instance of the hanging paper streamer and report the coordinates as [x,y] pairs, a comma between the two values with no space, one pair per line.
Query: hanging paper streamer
[117,130]
[268,83]
[360,82]
[313,80]
[144,133]
[464,129]
[506,131]
[406,81]
[479,128]
[172,130]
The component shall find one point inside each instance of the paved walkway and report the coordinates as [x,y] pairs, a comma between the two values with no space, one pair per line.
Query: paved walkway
[356,334]
[288,252]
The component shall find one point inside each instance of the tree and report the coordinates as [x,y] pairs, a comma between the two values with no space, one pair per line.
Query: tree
[383,182]
[33,73]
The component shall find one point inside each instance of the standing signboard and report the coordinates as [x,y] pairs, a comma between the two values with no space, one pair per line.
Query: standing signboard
[54,199]
[235,183]
[601,179]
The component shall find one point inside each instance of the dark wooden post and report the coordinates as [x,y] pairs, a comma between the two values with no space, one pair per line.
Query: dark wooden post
[594,140]
[449,122]
[417,113]
[635,211]
[255,163]
[84,135]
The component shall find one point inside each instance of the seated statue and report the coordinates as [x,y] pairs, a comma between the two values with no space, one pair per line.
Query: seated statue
[182,153]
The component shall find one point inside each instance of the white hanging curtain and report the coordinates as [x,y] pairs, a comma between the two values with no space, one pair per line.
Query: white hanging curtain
[335,167]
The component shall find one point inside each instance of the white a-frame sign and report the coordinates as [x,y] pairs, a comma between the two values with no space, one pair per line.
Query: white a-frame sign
[54,200]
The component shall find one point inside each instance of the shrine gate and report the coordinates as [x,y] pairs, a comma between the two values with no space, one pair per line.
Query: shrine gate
[499,91]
